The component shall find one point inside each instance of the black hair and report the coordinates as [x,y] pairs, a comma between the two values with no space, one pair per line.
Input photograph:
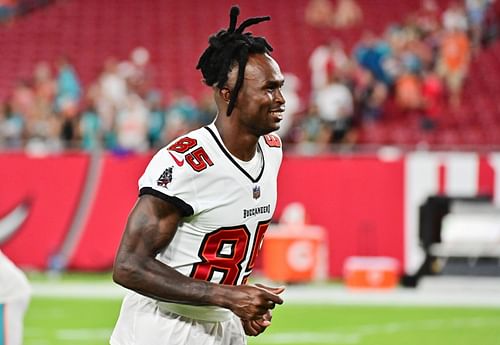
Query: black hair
[228,47]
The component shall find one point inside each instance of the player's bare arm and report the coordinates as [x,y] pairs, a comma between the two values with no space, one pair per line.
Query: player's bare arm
[150,227]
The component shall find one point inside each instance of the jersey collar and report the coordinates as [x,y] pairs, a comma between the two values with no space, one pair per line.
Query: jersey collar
[231,159]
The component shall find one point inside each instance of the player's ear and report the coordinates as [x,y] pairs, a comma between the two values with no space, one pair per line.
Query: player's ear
[225,94]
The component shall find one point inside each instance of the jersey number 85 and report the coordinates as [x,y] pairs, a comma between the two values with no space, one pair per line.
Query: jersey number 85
[224,251]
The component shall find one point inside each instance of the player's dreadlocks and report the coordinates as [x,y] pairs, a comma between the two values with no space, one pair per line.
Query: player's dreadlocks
[228,47]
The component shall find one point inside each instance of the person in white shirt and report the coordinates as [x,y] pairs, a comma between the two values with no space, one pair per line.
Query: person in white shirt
[204,205]
[326,60]
[336,108]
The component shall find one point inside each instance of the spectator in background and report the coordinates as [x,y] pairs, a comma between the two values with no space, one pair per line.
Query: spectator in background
[453,63]
[44,86]
[67,105]
[90,128]
[132,125]
[370,53]
[140,80]
[432,94]
[68,85]
[335,107]
[110,94]
[455,18]
[423,49]
[23,99]
[325,61]
[347,14]
[156,119]
[311,135]
[410,61]
[69,133]
[370,96]
[476,15]
[408,93]
[41,124]
[319,13]
[180,116]
[43,134]
[113,86]
[11,127]
[105,112]
[426,18]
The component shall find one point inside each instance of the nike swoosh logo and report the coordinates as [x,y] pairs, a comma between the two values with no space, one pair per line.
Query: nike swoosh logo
[178,162]
[12,221]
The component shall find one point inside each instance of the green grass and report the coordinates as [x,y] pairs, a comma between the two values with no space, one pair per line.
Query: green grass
[54,321]
[57,321]
[370,325]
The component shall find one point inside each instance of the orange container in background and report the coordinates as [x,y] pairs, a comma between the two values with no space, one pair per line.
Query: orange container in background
[378,272]
[293,253]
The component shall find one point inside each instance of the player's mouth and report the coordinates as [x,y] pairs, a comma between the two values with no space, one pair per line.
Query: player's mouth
[277,114]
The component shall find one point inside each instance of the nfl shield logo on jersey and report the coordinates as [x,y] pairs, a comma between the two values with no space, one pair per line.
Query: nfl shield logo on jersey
[256,192]
[165,178]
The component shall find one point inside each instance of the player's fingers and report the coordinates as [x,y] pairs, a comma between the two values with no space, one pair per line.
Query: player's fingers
[267,316]
[271,304]
[275,299]
[263,322]
[248,330]
[275,290]
[261,311]
[269,296]
[251,328]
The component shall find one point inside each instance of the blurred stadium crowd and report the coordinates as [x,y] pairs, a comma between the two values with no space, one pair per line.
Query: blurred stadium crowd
[121,110]
[416,69]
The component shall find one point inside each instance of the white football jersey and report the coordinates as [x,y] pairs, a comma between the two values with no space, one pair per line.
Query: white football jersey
[226,209]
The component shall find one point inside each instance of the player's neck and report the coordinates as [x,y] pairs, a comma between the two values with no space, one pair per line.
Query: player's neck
[239,143]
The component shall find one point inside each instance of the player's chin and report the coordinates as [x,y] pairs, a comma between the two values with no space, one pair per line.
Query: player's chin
[275,125]
[269,130]
[269,127]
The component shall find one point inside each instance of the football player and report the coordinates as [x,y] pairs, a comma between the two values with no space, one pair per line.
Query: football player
[205,202]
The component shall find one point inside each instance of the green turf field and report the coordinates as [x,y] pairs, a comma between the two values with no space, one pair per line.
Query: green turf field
[55,321]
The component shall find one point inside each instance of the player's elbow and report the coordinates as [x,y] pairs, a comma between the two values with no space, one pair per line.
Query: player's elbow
[119,273]
[125,272]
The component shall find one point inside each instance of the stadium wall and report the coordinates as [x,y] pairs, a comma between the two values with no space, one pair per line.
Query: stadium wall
[368,203]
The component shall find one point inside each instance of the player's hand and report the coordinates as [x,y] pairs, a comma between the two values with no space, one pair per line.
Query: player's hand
[255,327]
[251,302]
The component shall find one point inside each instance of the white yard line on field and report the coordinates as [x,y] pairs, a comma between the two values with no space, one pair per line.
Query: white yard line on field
[78,289]
[84,334]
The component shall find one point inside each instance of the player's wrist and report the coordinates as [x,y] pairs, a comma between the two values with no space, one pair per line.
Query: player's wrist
[220,296]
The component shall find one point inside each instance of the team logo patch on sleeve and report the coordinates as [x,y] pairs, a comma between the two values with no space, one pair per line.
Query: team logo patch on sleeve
[165,178]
